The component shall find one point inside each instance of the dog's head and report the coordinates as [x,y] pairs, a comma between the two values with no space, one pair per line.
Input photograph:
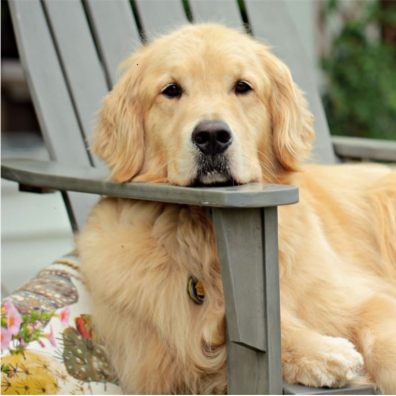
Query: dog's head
[204,105]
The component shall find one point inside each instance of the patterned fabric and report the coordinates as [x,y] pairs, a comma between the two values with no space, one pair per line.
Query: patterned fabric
[78,363]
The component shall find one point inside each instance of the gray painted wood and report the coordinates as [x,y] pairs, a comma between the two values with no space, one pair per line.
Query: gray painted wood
[367,149]
[81,65]
[46,83]
[94,181]
[160,16]
[219,11]
[248,251]
[115,32]
[270,22]
[241,249]
[289,389]
[50,95]
[269,217]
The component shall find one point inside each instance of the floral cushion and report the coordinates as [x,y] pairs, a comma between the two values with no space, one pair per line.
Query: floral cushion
[48,344]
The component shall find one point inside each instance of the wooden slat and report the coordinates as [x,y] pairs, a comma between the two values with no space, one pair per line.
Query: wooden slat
[366,149]
[271,22]
[115,31]
[50,95]
[272,299]
[81,64]
[160,16]
[47,85]
[220,11]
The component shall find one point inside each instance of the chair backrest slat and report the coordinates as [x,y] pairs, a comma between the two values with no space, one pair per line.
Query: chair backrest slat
[86,79]
[51,97]
[115,32]
[270,21]
[47,84]
[221,11]
[160,16]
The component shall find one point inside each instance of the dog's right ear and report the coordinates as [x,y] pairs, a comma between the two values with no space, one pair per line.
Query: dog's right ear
[119,136]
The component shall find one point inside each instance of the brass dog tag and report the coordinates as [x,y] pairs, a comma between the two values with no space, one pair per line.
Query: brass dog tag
[196,290]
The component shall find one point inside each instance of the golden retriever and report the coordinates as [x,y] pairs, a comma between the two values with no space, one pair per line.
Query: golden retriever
[209,105]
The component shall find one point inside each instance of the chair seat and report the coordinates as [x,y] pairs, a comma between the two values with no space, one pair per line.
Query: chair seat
[294,389]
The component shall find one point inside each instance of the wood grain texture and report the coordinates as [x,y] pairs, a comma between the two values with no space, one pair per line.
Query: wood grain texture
[116,33]
[219,11]
[160,16]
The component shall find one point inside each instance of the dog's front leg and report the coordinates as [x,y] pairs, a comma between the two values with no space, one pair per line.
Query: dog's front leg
[313,359]
[376,331]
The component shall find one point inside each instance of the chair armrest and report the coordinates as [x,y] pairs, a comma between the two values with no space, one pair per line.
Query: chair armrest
[350,147]
[58,176]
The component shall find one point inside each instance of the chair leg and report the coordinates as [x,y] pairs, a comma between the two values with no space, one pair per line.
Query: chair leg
[247,242]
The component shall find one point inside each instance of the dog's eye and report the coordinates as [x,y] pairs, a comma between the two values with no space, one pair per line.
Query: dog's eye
[242,87]
[173,90]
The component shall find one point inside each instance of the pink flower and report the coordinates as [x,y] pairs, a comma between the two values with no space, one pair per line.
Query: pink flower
[51,337]
[5,336]
[14,319]
[64,316]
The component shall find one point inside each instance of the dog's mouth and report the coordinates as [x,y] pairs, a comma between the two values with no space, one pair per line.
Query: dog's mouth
[213,171]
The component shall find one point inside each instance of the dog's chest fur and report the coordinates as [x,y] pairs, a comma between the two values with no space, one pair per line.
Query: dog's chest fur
[150,251]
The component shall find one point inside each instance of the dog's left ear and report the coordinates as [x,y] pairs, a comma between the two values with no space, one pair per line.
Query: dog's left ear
[291,121]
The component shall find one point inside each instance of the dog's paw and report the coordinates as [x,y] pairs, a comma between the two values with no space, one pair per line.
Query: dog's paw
[332,362]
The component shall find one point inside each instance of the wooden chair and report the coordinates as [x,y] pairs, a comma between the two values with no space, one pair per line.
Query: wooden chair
[70,51]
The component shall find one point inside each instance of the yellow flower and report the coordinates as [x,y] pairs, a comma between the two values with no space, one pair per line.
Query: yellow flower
[29,375]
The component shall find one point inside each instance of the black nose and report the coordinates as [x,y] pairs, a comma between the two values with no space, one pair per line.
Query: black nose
[212,137]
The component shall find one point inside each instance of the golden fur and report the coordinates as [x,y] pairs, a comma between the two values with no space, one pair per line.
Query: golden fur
[337,246]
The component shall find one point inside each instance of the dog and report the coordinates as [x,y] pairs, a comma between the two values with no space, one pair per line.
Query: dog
[208,105]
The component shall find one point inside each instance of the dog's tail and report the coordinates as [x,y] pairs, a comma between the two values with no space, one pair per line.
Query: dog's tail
[382,198]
